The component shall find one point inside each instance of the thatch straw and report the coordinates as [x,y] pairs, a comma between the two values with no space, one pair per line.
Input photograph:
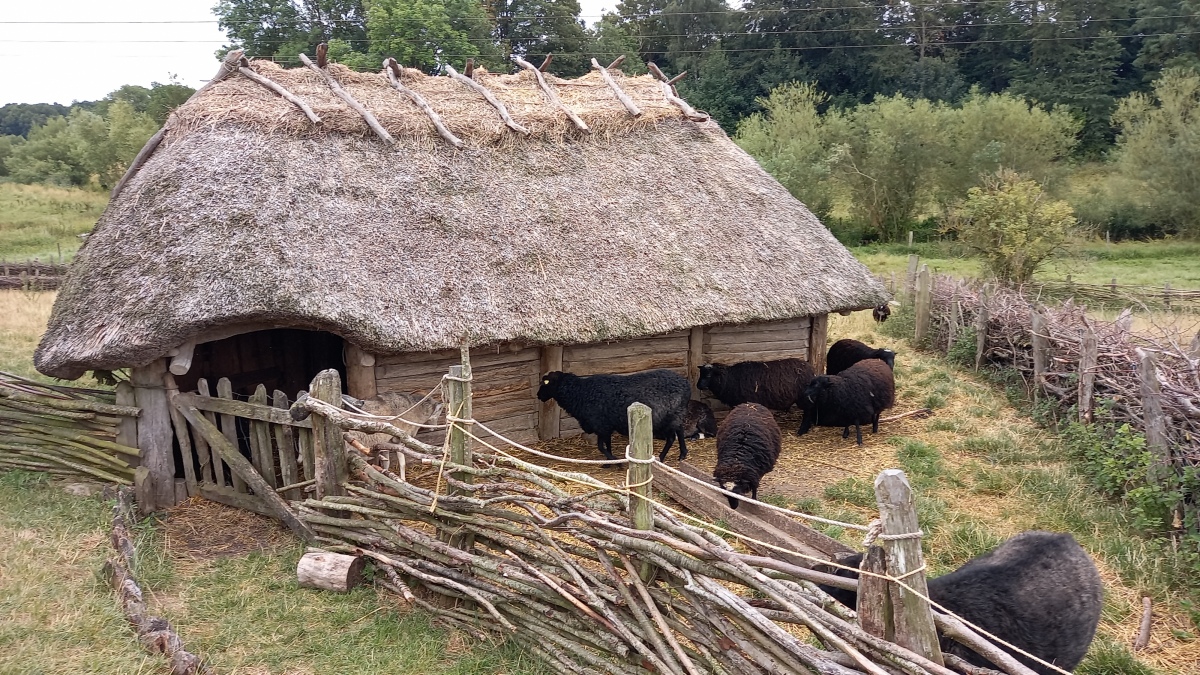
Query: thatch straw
[248,214]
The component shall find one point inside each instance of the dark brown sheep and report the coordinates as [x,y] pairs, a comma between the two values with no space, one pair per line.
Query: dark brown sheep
[881,313]
[774,384]
[846,352]
[748,444]
[855,397]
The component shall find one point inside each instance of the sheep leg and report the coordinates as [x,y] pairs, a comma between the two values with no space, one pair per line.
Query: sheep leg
[683,451]
[858,433]
[662,457]
[846,433]
[805,424]
[604,444]
[875,424]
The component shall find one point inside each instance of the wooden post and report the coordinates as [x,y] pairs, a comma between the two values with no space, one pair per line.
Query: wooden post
[218,468]
[229,428]
[874,603]
[285,439]
[981,327]
[910,278]
[1153,420]
[1041,350]
[144,491]
[549,417]
[330,571]
[924,299]
[638,474]
[181,361]
[260,436]
[912,616]
[695,358]
[127,429]
[183,437]
[1112,286]
[818,335]
[360,373]
[328,447]
[1087,374]
[458,405]
[1167,295]
[156,438]
[892,283]
[910,238]
[954,325]
[1107,238]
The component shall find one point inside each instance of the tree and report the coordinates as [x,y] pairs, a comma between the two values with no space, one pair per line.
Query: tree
[611,39]
[788,140]
[711,86]
[1012,226]
[1172,28]
[531,29]
[282,29]
[49,155]
[1159,145]
[7,143]
[16,119]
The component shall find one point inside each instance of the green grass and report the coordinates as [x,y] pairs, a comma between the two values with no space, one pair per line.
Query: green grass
[241,614]
[39,221]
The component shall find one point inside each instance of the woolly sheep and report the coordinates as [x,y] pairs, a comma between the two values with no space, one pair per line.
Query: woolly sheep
[748,444]
[411,409]
[700,421]
[881,313]
[600,404]
[1038,590]
[846,352]
[774,384]
[855,397]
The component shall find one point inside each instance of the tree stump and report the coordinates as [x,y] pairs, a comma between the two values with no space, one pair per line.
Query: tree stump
[330,571]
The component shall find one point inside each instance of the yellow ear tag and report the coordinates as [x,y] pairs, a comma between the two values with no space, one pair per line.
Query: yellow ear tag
[545,381]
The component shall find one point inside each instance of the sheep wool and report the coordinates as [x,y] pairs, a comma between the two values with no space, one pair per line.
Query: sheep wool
[854,398]
[774,384]
[846,352]
[748,445]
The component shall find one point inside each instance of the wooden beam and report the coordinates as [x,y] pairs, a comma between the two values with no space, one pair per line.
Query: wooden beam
[241,466]
[350,100]
[487,96]
[127,429]
[818,335]
[250,74]
[554,101]
[243,409]
[621,95]
[181,361]
[360,373]
[393,71]
[182,436]
[639,475]
[156,437]
[695,358]
[617,62]
[228,67]
[548,421]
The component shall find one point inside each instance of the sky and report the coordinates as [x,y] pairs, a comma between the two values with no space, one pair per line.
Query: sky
[56,52]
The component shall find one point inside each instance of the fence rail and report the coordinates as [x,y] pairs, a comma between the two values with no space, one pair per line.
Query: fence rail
[31,275]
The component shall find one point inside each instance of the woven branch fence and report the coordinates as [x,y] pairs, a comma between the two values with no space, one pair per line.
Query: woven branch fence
[1102,370]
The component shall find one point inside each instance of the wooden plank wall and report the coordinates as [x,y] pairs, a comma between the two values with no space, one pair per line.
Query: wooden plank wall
[504,387]
[506,378]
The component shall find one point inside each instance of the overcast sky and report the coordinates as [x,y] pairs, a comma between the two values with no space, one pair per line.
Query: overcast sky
[68,58]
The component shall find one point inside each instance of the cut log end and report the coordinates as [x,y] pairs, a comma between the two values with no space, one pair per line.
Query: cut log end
[330,571]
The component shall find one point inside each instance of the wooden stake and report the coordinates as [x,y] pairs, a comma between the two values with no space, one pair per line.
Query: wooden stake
[688,111]
[328,447]
[981,327]
[630,106]
[350,101]
[550,416]
[458,405]
[923,304]
[393,71]
[546,62]
[913,618]
[469,69]
[638,474]
[1041,350]
[156,437]
[545,87]
[286,95]
[489,97]
[617,62]
[322,51]
[127,433]
[874,603]
[1143,636]
[1087,374]
[677,78]
[1153,420]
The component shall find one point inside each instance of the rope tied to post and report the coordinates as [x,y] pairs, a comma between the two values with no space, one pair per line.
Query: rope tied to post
[875,532]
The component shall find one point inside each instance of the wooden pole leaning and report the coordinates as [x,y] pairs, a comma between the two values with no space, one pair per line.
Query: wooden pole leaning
[638,474]
[549,91]
[630,106]
[912,617]
[341,93]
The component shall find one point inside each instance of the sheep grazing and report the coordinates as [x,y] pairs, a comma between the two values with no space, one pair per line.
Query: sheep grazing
[748,444]
[600,404]
[855,397]
[846,352]
[700,421]
[1039,591]
[774,384]
[881,313]
[411,410]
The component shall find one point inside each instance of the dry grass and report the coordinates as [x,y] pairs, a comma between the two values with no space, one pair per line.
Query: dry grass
[25,314]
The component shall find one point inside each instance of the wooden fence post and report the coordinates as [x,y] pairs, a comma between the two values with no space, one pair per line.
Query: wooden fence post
[127,431]
[874,603]
[156,438]
[458,412]
[329,449]
[1153,420]
[638,474]
[1041,349]
[910,278]
[1167,295]
[912,615]
[924,300]
[954,325]
[910,238]
[549,416]
[981,327]
[818,335]
[1087,374]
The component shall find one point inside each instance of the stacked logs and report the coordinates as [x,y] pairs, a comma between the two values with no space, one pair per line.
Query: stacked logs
[63,431]
[559,572]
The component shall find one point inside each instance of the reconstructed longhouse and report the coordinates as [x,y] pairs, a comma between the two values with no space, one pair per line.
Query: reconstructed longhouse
[288,221]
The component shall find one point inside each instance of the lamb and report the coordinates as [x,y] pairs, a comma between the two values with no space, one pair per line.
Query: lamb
[748,444]
[700,421]
[855,397]
[411,410]
[774,384]
[881,313]
[600,404]
[846,352]
[1039,590]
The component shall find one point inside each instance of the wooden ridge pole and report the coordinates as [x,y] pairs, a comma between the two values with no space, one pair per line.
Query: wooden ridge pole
[546,89]
[487,96]
[393,71]
[621,95]
[350,100]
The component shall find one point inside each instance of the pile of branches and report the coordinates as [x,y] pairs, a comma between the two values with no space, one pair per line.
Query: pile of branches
[514,554]
[1118,385]
[62,430]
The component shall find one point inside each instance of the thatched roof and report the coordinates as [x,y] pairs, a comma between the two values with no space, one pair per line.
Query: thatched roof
[247,213]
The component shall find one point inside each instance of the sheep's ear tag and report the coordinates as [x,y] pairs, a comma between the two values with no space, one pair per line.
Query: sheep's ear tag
[545,381]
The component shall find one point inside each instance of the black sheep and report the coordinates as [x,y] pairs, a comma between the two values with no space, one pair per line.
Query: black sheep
[600,403]
[774,384]
[881,313]
[854,398]
[700,421]
[846,352]
[748,444]
[1039,590]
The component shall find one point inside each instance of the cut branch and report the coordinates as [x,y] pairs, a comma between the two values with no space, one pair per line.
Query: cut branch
[393,70]
[545,87]
[621,95]
[488,96]
[350,101]
[288,96]
[688,111]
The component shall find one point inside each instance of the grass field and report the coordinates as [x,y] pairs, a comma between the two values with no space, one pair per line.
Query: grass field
[39,221]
